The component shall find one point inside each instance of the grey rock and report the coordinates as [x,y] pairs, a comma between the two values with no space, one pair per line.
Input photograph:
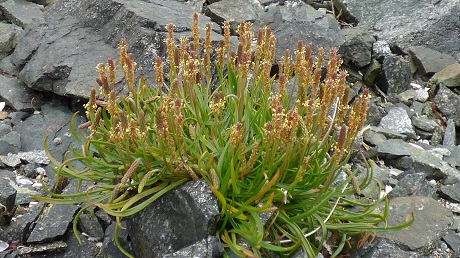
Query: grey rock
[454,157]
[453,241]
[398,121]
[393,147]
[60,53]
[448,103]
[388,133]
[449,76]
[7,66]
[420,235]
[396,75]
[109,248]
[429,61]
[374,69]
[411,95]
[450,137]
[54,223]
[288,35]
[21,12]
[9,34]
[7,196]
[233,11]
[10,143]
[17,95]
[103,218]
[380,49]
[20,229]
[91,226]
[373,138]
[450,192]
[383,248]
[305,13]
[208,247]
[400,24]
[159,228]
[357,49]
[87,248]
[43,248]
[424,123]
[11,160]
[4,128]
[413,185]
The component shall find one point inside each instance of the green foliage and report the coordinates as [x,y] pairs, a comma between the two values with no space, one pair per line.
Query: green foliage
[265,145]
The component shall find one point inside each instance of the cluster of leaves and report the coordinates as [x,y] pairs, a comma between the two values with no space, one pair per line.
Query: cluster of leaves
[265,145]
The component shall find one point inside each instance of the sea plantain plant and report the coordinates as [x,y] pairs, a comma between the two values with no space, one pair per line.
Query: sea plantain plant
[275,145]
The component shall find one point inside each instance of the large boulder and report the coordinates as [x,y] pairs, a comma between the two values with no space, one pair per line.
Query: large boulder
[60,53]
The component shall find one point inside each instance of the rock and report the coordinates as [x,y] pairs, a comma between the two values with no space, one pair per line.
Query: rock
[429,61]
[20,229]
[301,12]
[450,137]
[17,95]
[413,185]
[159,228]
[373,138]
[453,241]
[398,121]
[54,224]
[420,235]
[233,11]
[357,49]
[393,147]
[90,226]
[411,95]
[372,72]
[424,123]
[7,66]
[430,24]
[42,248]
[383,248]
[395,77]
[21,12]
[450,192]
[209,247]
[9,34]
[449,76]
[7,198]
[448,103]
[109,248]
[10,143]
[288,35]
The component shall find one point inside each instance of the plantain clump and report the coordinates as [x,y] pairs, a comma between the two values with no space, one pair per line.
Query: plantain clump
[264,144]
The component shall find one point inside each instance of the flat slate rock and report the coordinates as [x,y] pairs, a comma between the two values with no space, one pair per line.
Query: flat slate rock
[432,221]
[54,224]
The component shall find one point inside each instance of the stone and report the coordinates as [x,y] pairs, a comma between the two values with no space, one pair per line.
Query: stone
[7,197]
[411,95]
[450,192]
[305,13]
[289,33]
[450,135]
[54,223]
[383,248]
[21,12]
[43,248]
[60,53]
[109,247]
[357,49]
[91,226]
[452,239]
[373,138]
[419,235]
[374,69]
[413,185]
[429,61]
[208,247]
[18,96]
[20,229]
[449,76]
[7,66]
[424,123]
[430,24]
[398,121]
[9,34]
[395,77]
[393,147]
[159,228]
[233,11]
[10,143]
[454,157]
[448,103]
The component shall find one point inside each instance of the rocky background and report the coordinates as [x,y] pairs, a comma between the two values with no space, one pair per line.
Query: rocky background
[406,52]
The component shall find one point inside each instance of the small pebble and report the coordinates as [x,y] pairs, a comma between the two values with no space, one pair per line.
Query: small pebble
[57,140]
